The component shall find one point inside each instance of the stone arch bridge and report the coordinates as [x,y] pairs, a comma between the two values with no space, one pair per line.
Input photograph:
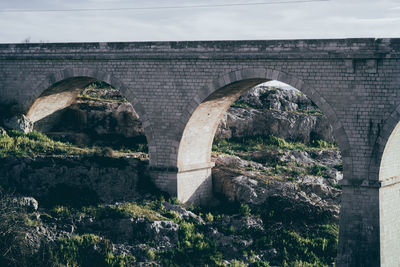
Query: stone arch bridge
[181,89]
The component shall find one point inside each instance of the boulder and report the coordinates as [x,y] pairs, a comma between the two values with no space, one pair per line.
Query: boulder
[247,122]
[183,213]
[19,123]
[164,233]
[29,203]
[3,131]
[310,195]
[272,111]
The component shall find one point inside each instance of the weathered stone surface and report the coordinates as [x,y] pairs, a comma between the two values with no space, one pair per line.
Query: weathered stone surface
[164,233]
[239,223]
[29,203]
[95,122]
[3,131]
[183,213]
[19,123]
[132,230]
[353,81]
[308,195]
[278,112]
[101,178]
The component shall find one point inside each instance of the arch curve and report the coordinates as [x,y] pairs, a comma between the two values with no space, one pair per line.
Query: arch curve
[382,140]
[256,76]
[69,73]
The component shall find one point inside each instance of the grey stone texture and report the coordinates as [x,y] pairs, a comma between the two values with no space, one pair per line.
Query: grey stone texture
[355,82]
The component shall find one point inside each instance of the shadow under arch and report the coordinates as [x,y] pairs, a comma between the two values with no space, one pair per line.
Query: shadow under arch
[205,110]
[81,77]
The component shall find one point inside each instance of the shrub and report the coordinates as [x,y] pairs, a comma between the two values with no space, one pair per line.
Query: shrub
[323,144]
[16,143]
[15,222]
[317,170]
[291,179]
[193,249]
[88,250]
[239,104]
[150,254]
[339,167]
[123,210]
[209,217]
[61,212]
[245,210]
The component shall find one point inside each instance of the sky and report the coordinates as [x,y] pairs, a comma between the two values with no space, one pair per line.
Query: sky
[300,20]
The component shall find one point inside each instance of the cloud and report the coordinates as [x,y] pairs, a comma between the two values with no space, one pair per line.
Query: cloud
[333,19]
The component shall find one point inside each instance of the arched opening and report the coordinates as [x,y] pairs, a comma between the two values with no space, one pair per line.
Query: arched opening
[57,97]
[195,146]
[306,165]
[88,145]
[390,167]
[389,197]
[87,111]
[197,139]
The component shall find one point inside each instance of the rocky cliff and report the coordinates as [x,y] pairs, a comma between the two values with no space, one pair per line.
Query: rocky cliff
[285,113]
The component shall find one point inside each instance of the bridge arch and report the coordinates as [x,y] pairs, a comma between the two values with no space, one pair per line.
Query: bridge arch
[384,174]
[80,77]
[386,144]
[205,110]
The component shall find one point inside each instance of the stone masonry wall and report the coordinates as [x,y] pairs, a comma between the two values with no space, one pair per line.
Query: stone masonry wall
[355,82]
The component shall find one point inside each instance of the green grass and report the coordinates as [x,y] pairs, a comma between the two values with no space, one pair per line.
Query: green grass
[94,92]
[99,85]
[117,211]
[87,250]
[322,144]
[260,143]
[85,96]
[339,167]
[273,168]
[314,245]
[15,222]
[239,104]
[193,249]
[317,170]
[133,210]
[307,112]
[16,143]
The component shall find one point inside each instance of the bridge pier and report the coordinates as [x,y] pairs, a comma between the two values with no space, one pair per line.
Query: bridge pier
[359,226]
[369,224]
[191,184]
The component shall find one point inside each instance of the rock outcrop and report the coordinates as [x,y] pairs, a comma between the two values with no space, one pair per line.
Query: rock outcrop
[89,122]
[19,123]
[287,114]
[72,178]
[247,182]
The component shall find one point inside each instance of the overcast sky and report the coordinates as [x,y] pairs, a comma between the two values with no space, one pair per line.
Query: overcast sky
[328,19]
